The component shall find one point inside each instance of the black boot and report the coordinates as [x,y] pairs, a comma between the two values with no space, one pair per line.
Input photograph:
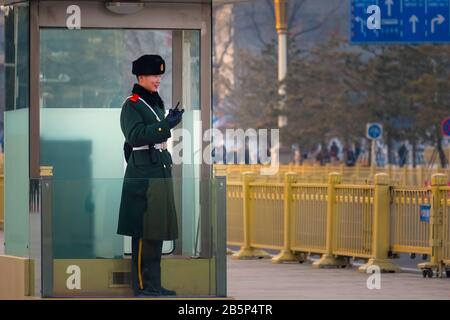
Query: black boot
[167,292]
[150,288]
[147,293]
[155,279]
[152,268]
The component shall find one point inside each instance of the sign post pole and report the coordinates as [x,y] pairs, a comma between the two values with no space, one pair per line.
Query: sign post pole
[373,159]
[374,132]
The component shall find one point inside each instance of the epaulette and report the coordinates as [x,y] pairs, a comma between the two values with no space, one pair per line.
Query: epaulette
[134,97]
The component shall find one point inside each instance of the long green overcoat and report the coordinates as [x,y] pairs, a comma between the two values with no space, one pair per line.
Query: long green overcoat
[147,208]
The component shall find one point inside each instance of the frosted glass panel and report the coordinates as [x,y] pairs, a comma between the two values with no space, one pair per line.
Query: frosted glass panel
[84,146]
[16,182]
[192,143]
[91,134]
[192,158]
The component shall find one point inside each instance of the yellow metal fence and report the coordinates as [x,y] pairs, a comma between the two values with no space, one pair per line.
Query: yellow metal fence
[354,212]
[266,208]
[337,220]
[405,176]
[309,216]
[235,214]
[445,196]
[408,233]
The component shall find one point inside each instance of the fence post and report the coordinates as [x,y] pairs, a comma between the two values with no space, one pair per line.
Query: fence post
[438,180]
[286,254]
[246,250]
[328,259]
[380,227]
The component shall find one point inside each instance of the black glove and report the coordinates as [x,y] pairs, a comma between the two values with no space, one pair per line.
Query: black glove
[174,117]
[176,110]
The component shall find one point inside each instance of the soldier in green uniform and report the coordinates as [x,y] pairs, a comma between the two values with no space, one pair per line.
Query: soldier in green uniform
[147,208]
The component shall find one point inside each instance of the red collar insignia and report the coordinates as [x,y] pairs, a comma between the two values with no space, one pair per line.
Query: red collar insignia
[134,97]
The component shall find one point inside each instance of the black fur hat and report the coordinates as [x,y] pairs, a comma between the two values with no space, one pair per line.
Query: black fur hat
[149,64]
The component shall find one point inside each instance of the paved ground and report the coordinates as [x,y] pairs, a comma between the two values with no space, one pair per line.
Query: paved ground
[260,279]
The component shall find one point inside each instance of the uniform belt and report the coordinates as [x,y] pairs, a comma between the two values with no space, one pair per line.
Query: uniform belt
[141,148]
[160,146]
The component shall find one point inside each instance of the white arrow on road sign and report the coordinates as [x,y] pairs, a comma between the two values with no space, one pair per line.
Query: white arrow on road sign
[439,19]
[358,19]
[389,4]
[413,21]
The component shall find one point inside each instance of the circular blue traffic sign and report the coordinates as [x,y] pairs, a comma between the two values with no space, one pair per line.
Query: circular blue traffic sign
[445,126]
[374,131]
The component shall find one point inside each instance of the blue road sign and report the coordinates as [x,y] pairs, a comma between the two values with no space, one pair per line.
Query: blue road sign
[374,131]
[402,21]
[445,126]
[425,212]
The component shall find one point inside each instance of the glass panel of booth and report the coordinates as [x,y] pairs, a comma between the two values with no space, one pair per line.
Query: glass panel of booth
[191,69]
[85,75]
[81,252]
[16,129]
[91,67]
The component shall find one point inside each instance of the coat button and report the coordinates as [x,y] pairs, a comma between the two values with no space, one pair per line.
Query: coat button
[159,129]
[160,150]
[164,165]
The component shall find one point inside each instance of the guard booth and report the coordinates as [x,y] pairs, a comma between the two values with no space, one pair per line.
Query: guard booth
[68,71]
